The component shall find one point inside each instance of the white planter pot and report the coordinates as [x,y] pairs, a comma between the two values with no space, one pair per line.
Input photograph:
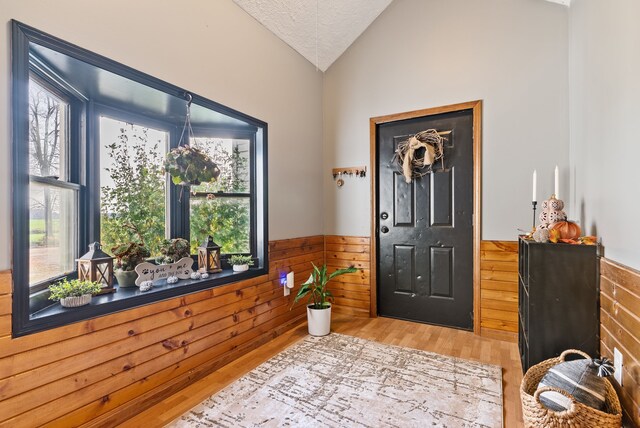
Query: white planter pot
[75,301]
[240,268]
[319,321]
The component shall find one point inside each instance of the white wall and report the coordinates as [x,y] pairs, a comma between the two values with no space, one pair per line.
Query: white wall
[512,54]
[605,122]
[212,48]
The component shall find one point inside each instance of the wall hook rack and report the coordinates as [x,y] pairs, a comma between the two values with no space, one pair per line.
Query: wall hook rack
[352,171]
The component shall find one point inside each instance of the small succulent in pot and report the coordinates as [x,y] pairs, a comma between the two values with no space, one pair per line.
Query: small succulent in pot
[240,262]
[190,166]
[128,256]
[73,293]
[173,250]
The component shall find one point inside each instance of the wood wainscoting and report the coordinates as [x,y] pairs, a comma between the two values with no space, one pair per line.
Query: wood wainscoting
[352,292]
[104,370]
[620,328]
[499,289]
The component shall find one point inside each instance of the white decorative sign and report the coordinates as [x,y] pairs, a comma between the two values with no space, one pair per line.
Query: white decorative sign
[150,272]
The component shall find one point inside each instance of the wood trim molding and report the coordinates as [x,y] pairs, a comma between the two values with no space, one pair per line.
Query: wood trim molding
[476,106]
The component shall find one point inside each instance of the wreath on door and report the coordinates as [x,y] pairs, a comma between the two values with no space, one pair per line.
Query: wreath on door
[416,155]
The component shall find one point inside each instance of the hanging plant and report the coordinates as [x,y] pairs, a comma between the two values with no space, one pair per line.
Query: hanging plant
[416,155]
[190,166]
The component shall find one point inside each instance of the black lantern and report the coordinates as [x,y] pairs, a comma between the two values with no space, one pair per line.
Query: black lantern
[97,266]
[209,256]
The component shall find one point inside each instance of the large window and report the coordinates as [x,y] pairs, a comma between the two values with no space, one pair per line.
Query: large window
[53,198]
[132,184]
[90,139]
[223,209]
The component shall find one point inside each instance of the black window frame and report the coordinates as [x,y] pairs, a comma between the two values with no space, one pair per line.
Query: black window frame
[28,315]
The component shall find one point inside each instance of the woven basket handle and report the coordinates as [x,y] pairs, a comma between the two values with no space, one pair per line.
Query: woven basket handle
[574,351]
[539,391]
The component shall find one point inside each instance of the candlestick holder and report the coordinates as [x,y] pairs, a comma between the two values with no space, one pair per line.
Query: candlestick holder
[533,204]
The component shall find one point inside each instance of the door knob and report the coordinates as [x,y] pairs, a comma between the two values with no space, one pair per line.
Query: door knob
[384,229]
[384,216]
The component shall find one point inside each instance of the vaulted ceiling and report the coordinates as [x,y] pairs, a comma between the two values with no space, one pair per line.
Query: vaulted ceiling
[320,30]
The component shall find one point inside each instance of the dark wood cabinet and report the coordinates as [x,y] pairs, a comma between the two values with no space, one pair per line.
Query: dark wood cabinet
[558,300]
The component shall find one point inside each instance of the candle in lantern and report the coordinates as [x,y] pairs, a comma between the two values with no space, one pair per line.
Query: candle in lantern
[556,184]
[535,176]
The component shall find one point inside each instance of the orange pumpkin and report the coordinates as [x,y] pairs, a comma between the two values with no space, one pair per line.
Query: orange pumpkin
[567,229]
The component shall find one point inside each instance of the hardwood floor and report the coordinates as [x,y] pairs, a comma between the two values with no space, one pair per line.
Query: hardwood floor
[442,340]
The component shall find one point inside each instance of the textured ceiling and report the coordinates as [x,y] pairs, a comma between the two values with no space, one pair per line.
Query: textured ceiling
[320,30]
[339,23]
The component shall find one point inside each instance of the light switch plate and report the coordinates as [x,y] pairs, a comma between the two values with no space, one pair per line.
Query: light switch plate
[617,364]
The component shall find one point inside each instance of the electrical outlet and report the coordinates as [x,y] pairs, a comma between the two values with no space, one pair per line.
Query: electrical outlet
[617,364]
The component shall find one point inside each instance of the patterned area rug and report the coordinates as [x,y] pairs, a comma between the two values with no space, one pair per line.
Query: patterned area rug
[344,381]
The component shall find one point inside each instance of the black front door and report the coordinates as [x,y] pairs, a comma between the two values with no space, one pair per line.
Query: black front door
[425,228]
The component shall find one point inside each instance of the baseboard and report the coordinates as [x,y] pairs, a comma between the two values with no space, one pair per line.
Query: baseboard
[142,402]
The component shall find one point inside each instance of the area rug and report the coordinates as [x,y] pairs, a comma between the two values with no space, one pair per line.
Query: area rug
[344,381]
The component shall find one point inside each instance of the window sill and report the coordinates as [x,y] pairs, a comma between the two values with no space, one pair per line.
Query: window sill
[130,297]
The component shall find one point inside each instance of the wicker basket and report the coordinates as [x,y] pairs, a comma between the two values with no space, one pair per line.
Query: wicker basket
[535,415]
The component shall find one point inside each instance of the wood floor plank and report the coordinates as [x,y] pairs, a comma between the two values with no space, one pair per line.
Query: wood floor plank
[456,343]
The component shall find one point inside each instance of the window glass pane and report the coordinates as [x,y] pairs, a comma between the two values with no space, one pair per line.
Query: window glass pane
[228,220]
[232,157]
[52,231]
[132,184]
[48,133]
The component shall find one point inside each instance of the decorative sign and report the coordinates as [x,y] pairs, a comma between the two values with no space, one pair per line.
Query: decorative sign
[150,272]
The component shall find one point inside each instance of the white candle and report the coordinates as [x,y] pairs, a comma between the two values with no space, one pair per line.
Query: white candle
[535,176]
[557,184]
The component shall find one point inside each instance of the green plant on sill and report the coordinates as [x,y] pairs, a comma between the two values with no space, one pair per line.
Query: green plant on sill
[173,250]
[129,255]
[316,285]
[239,259]
[73,288]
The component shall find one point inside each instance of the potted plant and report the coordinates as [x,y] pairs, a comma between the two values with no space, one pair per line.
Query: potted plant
[173,250]
[190,166]
[319,311]
[73,293]
[128,256]
[240,263]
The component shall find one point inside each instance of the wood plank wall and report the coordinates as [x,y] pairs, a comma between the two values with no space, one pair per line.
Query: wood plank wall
[499,282]
[499,289]
[105,369]
[352,292]
[620,328]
